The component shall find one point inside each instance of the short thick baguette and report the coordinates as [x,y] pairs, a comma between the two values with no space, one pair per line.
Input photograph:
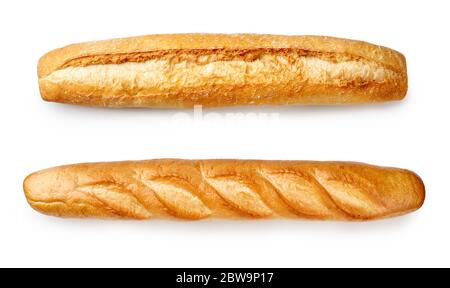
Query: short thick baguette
[183,70]
[225,189]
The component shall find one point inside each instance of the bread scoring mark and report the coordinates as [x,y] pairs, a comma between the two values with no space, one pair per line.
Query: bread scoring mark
[158,75]
[202,56]
[239,194]
[116,199]
[352,193]
[304,194]
[178,196]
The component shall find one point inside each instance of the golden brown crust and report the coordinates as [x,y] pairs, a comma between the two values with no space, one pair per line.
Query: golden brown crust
[298,70]
[225,189]
[151,43]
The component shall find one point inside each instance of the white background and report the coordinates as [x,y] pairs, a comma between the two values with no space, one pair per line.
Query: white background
[411,134]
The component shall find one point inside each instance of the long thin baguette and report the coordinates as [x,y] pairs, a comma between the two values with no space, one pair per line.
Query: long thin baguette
[225,189]
[183,70]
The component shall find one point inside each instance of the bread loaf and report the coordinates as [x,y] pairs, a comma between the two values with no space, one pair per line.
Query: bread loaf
[183,70]
[225,189]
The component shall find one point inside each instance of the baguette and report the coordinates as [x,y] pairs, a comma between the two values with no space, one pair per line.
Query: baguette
[213,70]
[225,189]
